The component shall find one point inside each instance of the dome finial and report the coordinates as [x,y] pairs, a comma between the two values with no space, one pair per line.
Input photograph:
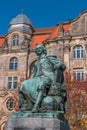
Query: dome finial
[22,11]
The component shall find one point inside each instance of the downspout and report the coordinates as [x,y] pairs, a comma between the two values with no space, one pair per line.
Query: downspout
[28,52]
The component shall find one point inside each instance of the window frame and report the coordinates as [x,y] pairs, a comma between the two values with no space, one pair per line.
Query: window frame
[79,74]
[14,83]
[9,86]
[78,52]
[13,63]
[15,41]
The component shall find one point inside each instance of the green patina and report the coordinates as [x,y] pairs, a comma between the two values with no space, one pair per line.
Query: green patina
[44,93]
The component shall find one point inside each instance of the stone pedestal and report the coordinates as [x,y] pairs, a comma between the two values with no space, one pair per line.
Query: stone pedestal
[29,123]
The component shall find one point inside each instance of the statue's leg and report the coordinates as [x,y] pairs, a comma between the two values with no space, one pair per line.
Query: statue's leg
[20,100]
[24,102]
[38,102]
[43,85]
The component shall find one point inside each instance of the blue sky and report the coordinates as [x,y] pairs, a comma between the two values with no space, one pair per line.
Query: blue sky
[42,13]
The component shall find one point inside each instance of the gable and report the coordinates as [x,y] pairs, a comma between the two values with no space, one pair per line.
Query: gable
[79,24]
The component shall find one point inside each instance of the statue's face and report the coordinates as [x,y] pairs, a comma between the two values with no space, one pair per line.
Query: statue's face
[39,50]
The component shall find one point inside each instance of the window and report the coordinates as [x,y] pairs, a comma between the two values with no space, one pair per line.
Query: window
[9,82]
[15,40]
[12,82]
[78,52]
[15,82]
[10,104]
[13,63]
[79,75]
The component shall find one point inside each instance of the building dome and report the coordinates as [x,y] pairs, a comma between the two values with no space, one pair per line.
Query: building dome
[20,22]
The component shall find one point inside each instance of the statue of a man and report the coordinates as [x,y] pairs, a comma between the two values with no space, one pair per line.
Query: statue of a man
[33,90]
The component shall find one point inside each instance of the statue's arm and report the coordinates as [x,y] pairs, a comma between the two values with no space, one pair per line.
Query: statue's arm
[57,64]
[60,66]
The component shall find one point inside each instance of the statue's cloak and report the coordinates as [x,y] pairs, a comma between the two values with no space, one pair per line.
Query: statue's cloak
[43,75]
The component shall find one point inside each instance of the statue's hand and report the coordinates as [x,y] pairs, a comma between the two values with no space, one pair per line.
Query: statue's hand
[57,66]
[60,66]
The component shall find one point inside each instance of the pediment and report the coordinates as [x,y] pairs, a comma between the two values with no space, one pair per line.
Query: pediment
[79,24]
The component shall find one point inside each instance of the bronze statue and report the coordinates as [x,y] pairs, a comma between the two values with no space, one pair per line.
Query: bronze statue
[45,90]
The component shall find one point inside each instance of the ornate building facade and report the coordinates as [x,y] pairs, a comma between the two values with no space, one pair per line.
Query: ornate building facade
[67,40]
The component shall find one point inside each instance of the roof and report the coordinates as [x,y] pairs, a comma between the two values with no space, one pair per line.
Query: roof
[66,26]
[20,19]
[21,22]
[42,34]
[2,39]
[38,39]
[44,30]
[55,33]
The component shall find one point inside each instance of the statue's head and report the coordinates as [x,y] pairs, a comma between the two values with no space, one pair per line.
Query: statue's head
[40,49]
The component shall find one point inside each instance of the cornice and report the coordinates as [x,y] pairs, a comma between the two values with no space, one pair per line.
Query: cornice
[78,16]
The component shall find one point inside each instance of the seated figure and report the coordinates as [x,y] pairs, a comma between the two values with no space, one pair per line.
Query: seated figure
[45,89]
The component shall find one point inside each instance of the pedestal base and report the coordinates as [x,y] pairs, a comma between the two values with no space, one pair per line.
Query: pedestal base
[35,124]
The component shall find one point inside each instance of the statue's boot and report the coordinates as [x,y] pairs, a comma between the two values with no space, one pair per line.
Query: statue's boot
[34,109]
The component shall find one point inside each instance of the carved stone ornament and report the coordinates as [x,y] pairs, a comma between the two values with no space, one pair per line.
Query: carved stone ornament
[67,47]
[85,45]
[25,42]
[5,45]
[61,31]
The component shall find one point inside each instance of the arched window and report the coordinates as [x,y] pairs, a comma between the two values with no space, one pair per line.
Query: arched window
[15,40]
[13,63]
[78,52]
